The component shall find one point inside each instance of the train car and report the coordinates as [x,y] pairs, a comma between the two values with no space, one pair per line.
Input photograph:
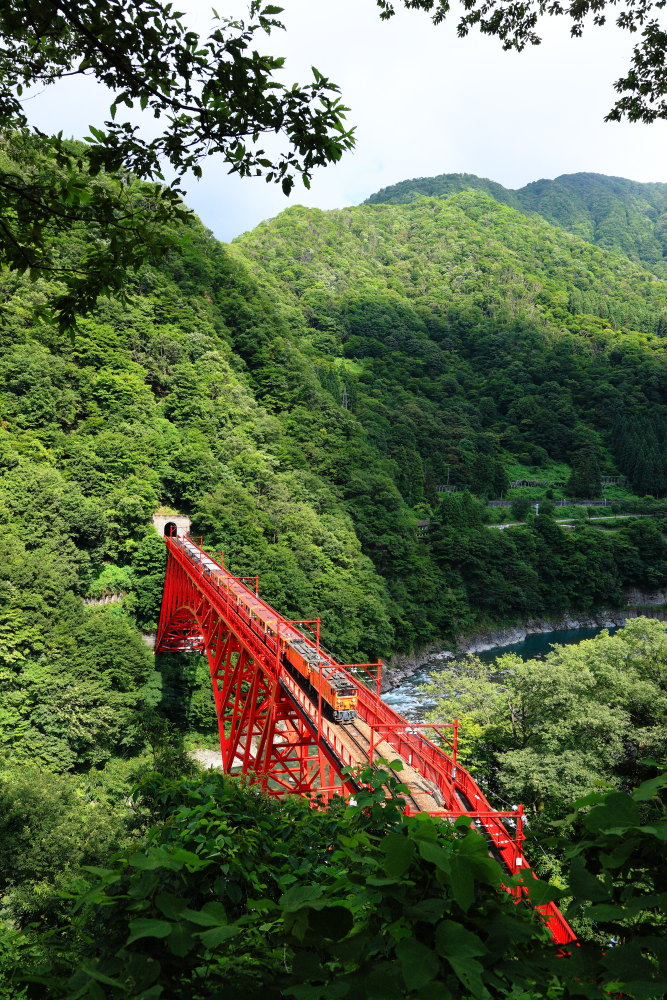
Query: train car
[338,693]
[315,672]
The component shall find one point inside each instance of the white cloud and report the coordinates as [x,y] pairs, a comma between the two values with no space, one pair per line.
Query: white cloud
[424,102]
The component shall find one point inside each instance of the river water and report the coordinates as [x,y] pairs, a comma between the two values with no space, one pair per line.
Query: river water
[409,700]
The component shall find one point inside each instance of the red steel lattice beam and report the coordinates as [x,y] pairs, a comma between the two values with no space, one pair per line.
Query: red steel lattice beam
[271,730]
[264,731]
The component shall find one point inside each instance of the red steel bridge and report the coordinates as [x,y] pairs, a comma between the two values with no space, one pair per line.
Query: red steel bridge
[278,731]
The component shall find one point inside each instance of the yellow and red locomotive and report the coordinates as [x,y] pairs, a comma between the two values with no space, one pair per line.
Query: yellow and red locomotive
[323,675]
[315,670]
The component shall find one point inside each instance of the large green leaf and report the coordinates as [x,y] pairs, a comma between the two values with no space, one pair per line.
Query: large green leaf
[584,885]
[436,855]
[211,915]
[100,977]
[650,789]
[461,947]
[171,906]
[429,910]
[216,936]
[541,892]
[455,940]
[399,852]
[617,813]
[462,882]
[298,896]
[419,965]
[148,927]
[181,941]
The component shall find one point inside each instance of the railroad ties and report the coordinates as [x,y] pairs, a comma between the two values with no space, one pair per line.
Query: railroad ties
[278,729]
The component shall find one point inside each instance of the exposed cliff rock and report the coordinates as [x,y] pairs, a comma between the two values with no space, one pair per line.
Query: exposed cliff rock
[645,598]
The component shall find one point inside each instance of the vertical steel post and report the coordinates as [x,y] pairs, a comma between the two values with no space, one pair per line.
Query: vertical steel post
[256,699]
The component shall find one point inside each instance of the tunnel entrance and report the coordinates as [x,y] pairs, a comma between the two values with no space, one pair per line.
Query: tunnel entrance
[169,524]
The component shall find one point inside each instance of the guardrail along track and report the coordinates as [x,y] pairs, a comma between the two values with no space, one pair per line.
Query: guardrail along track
[275,726]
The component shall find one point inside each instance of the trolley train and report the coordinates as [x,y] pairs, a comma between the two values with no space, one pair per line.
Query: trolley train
[314,670]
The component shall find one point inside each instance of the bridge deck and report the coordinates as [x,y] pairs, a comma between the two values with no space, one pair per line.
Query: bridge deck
[423,794]
[272,726]
[352,743]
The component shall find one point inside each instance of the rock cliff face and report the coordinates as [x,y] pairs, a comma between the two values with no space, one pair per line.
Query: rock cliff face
[507,636]
[645,598]
[399,668]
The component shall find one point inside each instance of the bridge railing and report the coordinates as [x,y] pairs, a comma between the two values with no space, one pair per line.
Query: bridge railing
[415,749]
[379,734]
[325,729]
[454,783]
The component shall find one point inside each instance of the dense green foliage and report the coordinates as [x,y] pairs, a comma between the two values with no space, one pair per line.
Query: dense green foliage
[540,568]
[216,94]
[50,826]
[233,894]
[460,332]
[540,731]
[614,213]
[152,406]
[301,395]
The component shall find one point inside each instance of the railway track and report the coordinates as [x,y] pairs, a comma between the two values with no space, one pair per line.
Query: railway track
[252,691]
[359,743]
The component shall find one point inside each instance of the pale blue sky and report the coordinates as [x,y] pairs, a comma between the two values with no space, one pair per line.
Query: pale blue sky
[424,102]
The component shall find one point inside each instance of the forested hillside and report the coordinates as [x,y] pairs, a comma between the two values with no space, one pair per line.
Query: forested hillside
[614,213]
[505,332]
[302,394]
[151,405]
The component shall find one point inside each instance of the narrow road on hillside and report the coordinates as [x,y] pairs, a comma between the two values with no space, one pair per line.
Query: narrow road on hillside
[572,520]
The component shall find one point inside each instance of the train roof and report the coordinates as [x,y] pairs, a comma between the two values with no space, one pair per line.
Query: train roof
[285,629]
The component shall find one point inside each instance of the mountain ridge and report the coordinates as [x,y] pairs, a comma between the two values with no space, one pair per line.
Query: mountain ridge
[611,212]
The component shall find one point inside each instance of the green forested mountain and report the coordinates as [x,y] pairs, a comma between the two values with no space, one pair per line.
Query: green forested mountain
[151,405]
[460,330]
[442,186]
[302,394]
[614,213]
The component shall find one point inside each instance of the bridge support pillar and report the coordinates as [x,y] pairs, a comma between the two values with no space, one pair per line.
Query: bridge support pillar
[263,732]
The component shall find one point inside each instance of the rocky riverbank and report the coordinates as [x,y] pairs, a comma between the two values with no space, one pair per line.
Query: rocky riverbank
[399,668]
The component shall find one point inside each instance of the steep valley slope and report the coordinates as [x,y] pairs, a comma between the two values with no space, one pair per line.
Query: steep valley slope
[302,394]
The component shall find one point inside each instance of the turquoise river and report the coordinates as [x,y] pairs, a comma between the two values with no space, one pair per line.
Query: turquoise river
[409,700]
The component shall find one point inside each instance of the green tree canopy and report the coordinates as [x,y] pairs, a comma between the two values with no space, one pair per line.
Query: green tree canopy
[234,894]
[219,95]
[541,730]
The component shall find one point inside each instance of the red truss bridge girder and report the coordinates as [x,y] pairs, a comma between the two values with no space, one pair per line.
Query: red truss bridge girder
[273,730]
[263,731]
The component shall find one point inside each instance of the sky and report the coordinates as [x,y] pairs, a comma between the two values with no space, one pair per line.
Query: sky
[423,101]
